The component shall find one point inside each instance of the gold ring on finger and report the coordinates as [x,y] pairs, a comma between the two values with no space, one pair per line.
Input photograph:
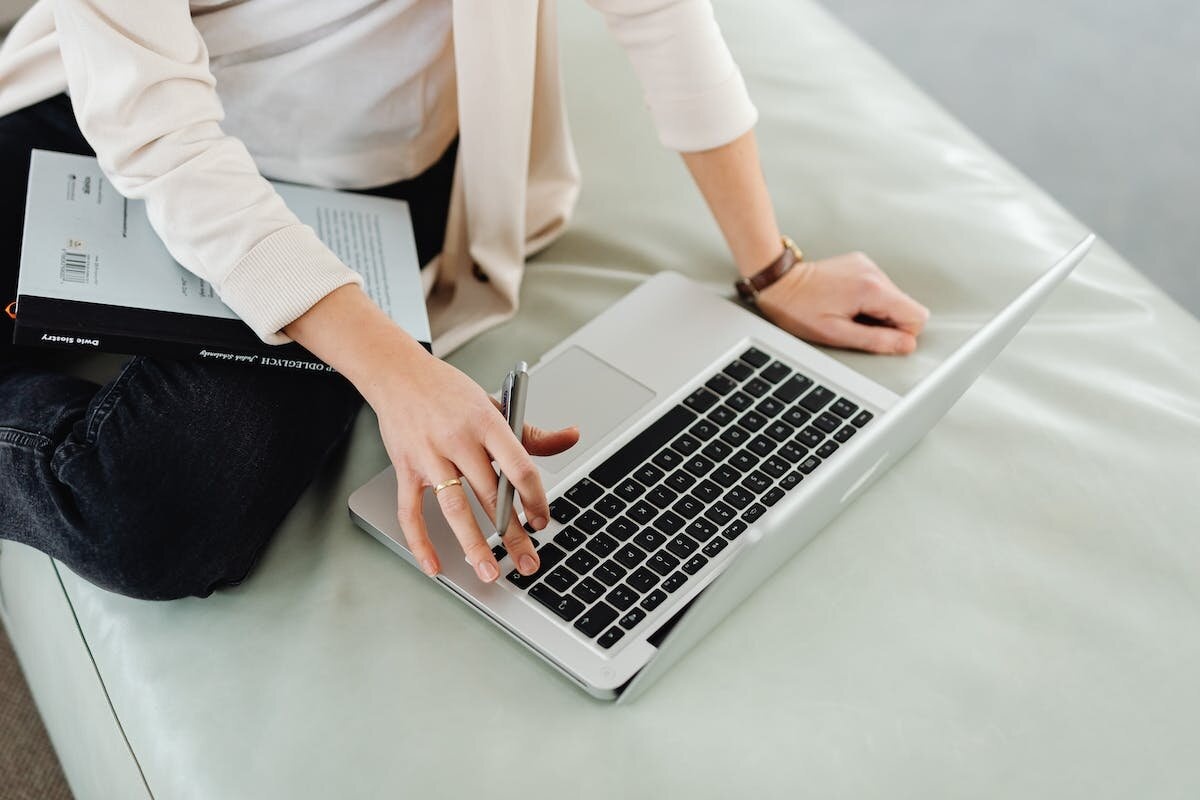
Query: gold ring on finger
[447,484]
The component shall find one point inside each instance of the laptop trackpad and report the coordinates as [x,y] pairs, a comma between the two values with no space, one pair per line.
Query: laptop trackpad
[576,388]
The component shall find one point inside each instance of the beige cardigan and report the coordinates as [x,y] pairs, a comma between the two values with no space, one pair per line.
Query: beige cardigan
[516,180]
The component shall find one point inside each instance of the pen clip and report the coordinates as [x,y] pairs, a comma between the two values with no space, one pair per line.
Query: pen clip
[506,396]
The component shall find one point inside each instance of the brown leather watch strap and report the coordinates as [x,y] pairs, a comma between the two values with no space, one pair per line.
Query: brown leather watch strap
[748,288]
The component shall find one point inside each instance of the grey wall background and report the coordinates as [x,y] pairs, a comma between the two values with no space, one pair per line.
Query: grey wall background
[1098,101]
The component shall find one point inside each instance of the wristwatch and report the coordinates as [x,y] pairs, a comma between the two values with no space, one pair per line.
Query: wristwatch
[748,288]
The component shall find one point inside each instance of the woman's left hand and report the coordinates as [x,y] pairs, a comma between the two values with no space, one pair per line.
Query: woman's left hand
[825,302]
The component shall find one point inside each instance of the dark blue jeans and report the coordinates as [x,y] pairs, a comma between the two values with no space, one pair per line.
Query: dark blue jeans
[169,480]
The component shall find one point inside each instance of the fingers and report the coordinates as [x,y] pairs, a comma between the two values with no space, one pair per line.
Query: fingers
[883,300]
[844,332]
[457,510]
[540,442]
[408,513]
[484,483]
[522,474]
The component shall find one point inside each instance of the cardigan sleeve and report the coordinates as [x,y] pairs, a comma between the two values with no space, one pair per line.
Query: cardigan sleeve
[695,91]
[146,102]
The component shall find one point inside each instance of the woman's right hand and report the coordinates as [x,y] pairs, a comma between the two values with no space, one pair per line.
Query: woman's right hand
[436,424]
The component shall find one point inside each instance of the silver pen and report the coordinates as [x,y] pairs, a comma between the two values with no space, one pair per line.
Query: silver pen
[512,405]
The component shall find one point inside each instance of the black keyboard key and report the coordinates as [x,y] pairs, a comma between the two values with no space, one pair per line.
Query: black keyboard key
[642,512]
[752,421]
[716,450]
[649,474]
[662,562]
[629,556]
[589,590]
[810,437]
[694,564]
[680,480]
[827,449]
[569,538]
[499,552]
[815,400]
[743,461]
[654,599]
[600,545]
[776,372]
[793,452]
[726,475]
[584,493]
[790,481]
[739,401]
[704,430]
[769,407]
[631,455]
[548,556]
[610,572]
[792,388]
[780,431]
[566,607]
[772,497]
[809,464]
[862,419]
[701,400]
[720,513]
[632,618]
[706,491]
[699,465]
[827,422]
[721,416]
[589,521]
[775,466]
[796,416]
[622,597]
[687,506]
[582,562]
[629,490]
[735,529]
[642,579]
[715,546]
[756,482]
[845,433]
[609,506]
[761,446]
[738,497]
[610,637]
[685,445]
[561,579]
[668,459]
[521,581]
[596,619]
[754,512]
[701,529]
[721,383]
[673,583]
[662,496]
[649,540]
[621,528]
[739,370]
[755,357]
[563,510]
[668,522]
[682,546]
[843,408]
[757,387]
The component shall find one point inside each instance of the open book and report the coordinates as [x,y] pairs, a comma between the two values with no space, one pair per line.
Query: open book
[94,274]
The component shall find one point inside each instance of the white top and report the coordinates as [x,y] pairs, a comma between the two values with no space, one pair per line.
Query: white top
[306,86]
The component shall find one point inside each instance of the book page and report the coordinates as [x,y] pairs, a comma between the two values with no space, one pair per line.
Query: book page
[85,242]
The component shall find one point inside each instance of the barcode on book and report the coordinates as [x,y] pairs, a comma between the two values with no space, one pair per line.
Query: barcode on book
[74,267]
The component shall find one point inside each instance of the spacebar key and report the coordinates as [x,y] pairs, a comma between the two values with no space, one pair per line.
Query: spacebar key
[639,448]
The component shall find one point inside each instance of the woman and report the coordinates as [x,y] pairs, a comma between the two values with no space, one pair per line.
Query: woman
[168,480]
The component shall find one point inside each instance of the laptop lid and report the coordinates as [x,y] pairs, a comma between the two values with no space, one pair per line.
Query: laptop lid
[800,517]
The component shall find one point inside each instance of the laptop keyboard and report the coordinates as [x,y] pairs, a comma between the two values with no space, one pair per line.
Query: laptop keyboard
[665,506]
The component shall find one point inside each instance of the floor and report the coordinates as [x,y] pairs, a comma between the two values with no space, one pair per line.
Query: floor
[1098,102]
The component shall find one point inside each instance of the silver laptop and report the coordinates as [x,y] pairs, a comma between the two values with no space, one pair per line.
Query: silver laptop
[713,447]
